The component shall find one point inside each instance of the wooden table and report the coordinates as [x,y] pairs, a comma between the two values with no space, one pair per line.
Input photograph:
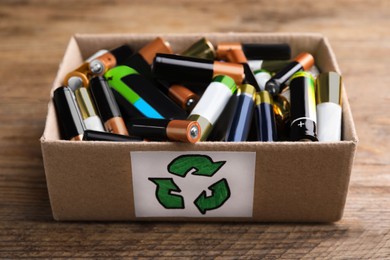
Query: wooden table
[33,37]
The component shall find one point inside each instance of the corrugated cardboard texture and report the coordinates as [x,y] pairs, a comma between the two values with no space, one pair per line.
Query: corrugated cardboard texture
[294,182]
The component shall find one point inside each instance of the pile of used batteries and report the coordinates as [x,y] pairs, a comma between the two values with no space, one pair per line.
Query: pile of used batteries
[236,92]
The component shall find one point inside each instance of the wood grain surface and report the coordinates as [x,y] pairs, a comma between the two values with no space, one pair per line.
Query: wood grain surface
[33,37]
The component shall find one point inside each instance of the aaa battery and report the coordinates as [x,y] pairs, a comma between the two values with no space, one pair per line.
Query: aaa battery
[265,117]
[239,129]
[303,61]
[212,103]
[328,96]
[88,111]
[68,114]
[181,69]
[303,108]
[163,129]
[107,106]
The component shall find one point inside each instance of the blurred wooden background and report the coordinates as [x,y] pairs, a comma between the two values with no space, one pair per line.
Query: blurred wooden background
[33,37]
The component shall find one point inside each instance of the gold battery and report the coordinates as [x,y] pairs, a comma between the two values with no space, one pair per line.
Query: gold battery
[201,49]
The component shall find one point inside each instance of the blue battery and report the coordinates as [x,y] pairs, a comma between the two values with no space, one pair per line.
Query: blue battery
[265,117]
[239,129]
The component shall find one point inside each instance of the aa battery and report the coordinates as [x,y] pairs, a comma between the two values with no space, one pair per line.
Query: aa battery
[142,60]
[114,79]
[262,76]
[95,65]
[234,55]
[257,51]
[202,48]
[181,95]
[303,108]
[79,77]
[265,117]
[328,96]
[239,129]
[175,68]
[303,61]
[88,111]
[90,135]
[107,106]
[71,123]
[164,129]
[221,126]
[143,94]
[99,65]
[212,103]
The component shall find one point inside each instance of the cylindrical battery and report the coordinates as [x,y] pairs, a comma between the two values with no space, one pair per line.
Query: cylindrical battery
[236,56]
[303,61]
[265,51]
[165,129]
[88,111]
[69,118]
[143,94]
[95,65]
[329,110]
[200,49]
[257,51]
[108,60]
[107,106]
[239,129]
[142,60]
[212,103]
[182,96]
[265,117]
[225,119]
[90,135]
[79,77]
[262,76]
[175,68]
[303,108]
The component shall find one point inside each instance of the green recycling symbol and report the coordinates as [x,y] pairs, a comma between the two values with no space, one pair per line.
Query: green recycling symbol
[200,165]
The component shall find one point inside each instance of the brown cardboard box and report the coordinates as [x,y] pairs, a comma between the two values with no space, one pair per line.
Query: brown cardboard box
[292,182]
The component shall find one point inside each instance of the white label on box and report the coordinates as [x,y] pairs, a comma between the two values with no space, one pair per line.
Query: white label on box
[193,184]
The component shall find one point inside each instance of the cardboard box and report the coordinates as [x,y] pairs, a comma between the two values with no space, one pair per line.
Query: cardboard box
[279,182]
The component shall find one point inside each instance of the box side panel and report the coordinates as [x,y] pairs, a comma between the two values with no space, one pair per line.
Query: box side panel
[88,181]
[302,182]
[293,182]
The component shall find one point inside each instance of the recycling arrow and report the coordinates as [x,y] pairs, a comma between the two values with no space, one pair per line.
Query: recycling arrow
[202,164]
[220,194]
[165,187]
